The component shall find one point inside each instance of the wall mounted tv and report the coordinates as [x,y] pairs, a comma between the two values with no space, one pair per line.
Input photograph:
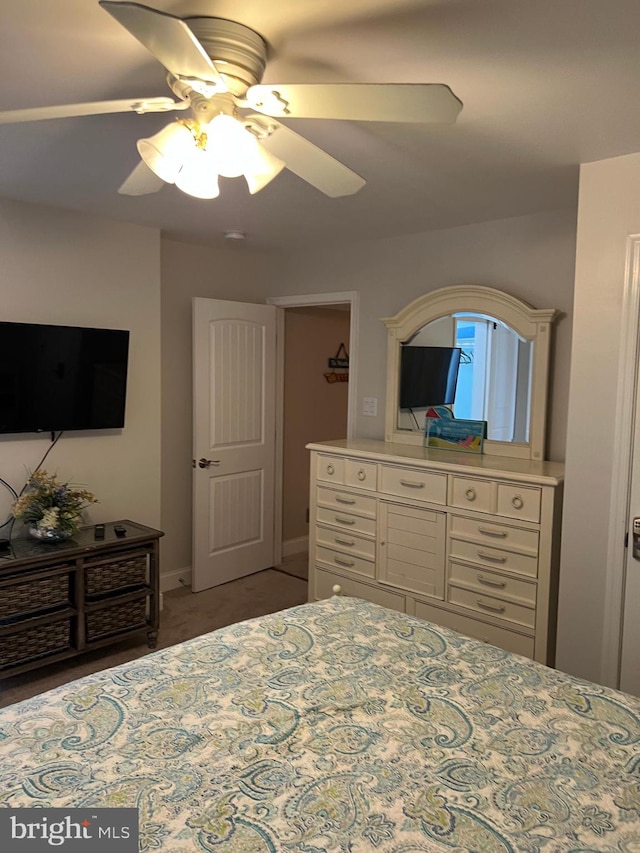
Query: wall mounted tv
[428,376]
[61,378]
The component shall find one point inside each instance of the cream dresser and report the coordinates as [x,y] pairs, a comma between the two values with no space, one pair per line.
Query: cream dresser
[468,542]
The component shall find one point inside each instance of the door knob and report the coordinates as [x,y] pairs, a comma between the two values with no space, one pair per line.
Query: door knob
[207,463]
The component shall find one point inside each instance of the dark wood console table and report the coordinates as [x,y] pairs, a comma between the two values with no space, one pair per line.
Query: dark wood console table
[60,600]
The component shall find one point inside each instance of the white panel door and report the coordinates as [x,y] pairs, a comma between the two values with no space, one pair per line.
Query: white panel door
[234,375]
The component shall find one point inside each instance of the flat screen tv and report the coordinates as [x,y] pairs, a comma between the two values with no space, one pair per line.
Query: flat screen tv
[428,376]
[61,377]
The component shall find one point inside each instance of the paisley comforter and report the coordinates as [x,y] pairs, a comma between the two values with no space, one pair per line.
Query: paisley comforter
[336,726]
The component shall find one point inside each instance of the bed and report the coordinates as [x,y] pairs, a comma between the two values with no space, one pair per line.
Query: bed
[336,726]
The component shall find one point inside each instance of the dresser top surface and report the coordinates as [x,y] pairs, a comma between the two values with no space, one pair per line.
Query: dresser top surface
[24,549]
[450,461]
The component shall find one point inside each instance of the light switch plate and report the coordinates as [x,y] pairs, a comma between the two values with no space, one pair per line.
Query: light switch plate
[370,406]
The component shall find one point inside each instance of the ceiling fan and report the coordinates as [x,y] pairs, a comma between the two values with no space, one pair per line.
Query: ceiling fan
[215,67]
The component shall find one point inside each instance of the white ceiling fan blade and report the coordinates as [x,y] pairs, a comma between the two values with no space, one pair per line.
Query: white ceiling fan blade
[399,102]
[142,181]
[142,105]
[309,162]
[168,38]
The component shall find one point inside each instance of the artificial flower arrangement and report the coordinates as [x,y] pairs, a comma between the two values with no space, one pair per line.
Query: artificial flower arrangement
[53,509]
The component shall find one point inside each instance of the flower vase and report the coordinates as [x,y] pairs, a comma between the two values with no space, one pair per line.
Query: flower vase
[48,534]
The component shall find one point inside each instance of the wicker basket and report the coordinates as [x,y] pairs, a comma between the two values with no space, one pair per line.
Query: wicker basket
[115,574]
[30,643]
[34,594]
[119,617]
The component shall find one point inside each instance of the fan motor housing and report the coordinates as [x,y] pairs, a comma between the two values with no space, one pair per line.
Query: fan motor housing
[238,52]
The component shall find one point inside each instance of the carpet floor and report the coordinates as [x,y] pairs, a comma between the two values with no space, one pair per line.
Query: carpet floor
[185,615]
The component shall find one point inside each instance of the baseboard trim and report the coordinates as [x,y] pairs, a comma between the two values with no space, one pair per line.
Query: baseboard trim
[182,577]
[295,546]
[175,579]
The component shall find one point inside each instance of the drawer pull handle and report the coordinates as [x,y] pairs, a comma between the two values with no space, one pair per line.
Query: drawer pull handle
[348,501]
[342,520]
[470,494]
[492,607]
[491,557]
[497,534]
[362,474]
[347,542]
[517,502]
[348,564]
[412,484]
[331,469]
[487,582]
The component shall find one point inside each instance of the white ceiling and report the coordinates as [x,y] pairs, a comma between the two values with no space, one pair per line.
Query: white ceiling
[546,85]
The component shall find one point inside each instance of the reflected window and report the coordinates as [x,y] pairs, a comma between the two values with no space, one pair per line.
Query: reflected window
[494,361]
[471,337]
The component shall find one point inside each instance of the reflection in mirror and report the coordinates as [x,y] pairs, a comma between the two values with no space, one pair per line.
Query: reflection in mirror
[506,341]
[493,378]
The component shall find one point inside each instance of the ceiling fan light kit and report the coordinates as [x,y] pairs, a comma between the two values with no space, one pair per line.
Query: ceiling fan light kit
[214,69]
[167,151]
[192,156]
[197,178]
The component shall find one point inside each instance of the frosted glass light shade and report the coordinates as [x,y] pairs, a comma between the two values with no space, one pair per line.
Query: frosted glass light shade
[263,168]
[198,177]
[230,145]
[167,151]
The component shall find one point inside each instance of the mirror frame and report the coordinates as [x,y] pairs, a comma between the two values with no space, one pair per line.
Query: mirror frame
[530,323]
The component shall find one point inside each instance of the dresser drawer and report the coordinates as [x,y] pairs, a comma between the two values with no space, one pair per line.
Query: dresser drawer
[414,483]
[493,558]
[346,542]
[325,581]
[472,494]
[28,593]
[347,502]
[364,475]
[116,618]
[345,562]
[519,502]
[35,642]
[117,573]
[478,630]
[330,468]
[347,522]
[492,583]
[488,533]
[492,606]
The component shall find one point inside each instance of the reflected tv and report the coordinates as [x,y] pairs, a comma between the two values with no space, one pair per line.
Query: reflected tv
[62,377]
[428,376]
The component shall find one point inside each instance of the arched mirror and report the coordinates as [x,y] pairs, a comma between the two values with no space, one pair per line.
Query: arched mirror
[495,345]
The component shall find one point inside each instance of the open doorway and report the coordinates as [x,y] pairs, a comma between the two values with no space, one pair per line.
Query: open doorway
[312,330]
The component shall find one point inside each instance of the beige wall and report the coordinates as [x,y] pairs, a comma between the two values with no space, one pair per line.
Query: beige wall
[531,257]
[63,268]
[314,409]
[234,273]
[609,211]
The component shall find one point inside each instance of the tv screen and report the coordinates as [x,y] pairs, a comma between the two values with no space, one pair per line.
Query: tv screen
[61,377]
[428,376]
